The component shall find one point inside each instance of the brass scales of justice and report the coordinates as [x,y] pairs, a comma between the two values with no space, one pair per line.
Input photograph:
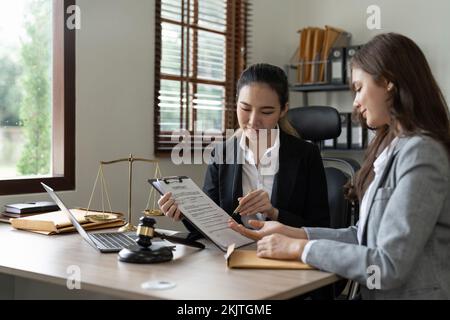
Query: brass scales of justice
[104,215]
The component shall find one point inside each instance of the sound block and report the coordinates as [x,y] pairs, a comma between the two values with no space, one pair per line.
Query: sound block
[153,254]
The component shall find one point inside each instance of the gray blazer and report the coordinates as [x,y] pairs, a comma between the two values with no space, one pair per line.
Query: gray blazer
[407,233]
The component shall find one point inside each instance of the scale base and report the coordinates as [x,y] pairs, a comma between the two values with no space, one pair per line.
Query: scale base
[154,254]
[127,228]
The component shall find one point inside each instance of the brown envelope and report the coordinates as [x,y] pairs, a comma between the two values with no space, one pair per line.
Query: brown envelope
[247,259]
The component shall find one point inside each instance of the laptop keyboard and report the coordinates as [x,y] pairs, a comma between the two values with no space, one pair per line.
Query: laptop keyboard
[113,240]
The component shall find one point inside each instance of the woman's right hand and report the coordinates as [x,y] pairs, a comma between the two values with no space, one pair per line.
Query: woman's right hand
[265,228]
[169,207]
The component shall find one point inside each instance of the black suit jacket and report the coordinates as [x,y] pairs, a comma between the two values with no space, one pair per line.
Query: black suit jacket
[299,191]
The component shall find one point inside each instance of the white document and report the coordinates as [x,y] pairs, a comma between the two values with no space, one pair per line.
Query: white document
[210,219]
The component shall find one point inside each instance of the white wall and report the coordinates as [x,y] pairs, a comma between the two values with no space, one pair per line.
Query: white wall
[276,23]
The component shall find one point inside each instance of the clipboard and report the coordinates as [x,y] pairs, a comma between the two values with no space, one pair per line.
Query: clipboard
[155,182]
[223,237]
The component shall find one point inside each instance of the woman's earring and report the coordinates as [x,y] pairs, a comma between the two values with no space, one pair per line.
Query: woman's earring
[390,86]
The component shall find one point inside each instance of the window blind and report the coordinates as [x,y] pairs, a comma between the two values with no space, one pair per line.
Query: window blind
[201,50]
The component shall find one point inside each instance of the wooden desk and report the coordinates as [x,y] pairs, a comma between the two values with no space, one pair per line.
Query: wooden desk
[197,274]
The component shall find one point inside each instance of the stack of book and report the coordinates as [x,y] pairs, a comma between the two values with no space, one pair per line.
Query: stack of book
[20,210]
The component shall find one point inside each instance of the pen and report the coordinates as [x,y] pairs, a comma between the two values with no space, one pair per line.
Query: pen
[234,216]
[236,211]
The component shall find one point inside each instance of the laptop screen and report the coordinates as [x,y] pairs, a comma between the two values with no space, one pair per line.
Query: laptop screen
[72,218]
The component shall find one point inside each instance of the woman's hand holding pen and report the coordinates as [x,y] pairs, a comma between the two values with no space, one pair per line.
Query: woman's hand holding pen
[169,207]
[257,201]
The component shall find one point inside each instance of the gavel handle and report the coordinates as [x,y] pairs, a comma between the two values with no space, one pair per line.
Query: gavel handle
[175,239]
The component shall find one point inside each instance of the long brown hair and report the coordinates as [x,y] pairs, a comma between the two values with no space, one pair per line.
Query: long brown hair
[416,101]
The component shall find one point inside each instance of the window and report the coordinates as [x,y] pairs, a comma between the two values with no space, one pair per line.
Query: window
[200,53]
[37,96]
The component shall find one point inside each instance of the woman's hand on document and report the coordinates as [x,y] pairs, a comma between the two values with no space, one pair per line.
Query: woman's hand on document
[276,240]
[169,207]
[278,246]
[263,228]
[266,228]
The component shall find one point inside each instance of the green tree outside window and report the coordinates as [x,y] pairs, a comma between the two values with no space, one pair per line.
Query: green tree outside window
[35,107]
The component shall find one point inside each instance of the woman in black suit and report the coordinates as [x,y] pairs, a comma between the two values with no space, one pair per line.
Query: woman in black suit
[265,170]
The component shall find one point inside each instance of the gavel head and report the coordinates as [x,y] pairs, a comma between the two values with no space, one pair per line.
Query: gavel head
[145,231]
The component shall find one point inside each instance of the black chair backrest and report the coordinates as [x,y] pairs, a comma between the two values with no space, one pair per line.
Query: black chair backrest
[316,123]
[340,211]
[322,123]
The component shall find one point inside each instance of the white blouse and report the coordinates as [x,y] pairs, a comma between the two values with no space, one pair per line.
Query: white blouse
[261,176]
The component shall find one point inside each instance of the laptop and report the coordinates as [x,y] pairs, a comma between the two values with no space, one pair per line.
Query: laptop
[104,242]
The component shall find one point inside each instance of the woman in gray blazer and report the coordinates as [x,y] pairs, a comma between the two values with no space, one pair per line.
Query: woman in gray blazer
[400,248]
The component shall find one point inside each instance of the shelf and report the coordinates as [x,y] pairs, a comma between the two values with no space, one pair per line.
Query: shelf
[319,87]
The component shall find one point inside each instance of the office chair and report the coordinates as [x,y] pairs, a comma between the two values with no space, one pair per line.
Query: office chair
[316,124]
